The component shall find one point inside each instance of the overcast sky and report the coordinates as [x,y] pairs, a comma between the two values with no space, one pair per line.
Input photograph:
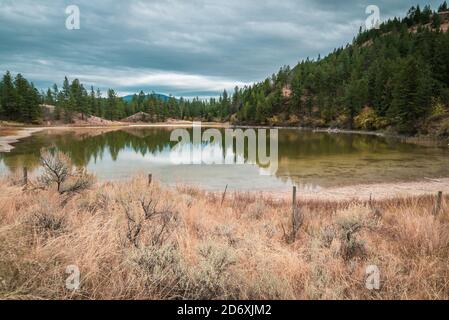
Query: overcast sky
[179,47]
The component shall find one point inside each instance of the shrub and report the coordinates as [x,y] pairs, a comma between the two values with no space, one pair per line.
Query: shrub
[212,278]
[47,218]
[81,181]
[257,210]
[158,221]
[327,236]
[163,270]
[351,224]
[368,120]
[438,109]
[58,169]
[167,274]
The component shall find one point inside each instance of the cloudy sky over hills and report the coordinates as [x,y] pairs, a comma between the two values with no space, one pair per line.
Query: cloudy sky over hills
[185,48]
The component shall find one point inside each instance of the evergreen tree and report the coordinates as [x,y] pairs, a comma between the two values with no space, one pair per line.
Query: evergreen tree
[100,108]
[426,15]
[8,96]
[236,101]
[111,112]
[436,21]
[225,105]
[411,96]
[27,100]
[49,97]
[92,102]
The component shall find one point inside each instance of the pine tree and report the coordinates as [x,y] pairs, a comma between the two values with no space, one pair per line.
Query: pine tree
[111,105]
[21,85]
[225,105]
[411,96]
[76,98]
[49,97]
[55,92]
[33,100]
[100,109]
[8,102]
[426,15]
[417,17]
[236,101]
[66,101]
[436,21]
[91,101]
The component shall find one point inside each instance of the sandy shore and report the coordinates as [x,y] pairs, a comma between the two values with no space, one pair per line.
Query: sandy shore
[363,192]
[11,135]
[14,135]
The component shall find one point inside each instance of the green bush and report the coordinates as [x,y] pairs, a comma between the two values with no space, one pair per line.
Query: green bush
[369,120]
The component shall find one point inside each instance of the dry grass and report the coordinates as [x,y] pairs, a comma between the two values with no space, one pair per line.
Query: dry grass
[134,241]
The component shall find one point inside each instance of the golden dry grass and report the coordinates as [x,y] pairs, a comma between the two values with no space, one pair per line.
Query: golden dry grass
[195,248]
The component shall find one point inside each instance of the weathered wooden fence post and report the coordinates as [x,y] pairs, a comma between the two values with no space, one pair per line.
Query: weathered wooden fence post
[437,208]
[294,217]
[296,222]
[224,195]
[25,176]
[150,179]
[294,201]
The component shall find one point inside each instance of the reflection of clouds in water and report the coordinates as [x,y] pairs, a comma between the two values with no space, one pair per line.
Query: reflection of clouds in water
[157,156]
[186,153]
[210,177]
[306,159]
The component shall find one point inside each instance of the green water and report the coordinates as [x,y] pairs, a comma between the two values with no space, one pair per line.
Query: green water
[307,159]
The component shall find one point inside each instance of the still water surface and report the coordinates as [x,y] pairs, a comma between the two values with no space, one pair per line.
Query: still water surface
[307,159]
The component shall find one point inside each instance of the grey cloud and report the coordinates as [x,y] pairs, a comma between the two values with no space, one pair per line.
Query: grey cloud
[190,47]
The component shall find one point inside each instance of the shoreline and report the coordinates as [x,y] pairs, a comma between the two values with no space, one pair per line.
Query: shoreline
[356,192]
[7,141]
[20,132]
[365,192]
[418,140]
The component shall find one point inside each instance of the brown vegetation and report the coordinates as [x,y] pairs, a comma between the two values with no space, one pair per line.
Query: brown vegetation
[135,241]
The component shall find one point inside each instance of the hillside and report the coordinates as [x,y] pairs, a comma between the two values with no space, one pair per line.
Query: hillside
[138,117]
[50,118]
[392,78]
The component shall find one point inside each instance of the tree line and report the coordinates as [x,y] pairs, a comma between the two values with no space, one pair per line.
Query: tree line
[394,77]
[19,99]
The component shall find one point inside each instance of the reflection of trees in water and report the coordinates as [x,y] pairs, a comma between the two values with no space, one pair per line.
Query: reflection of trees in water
[88,146]
[309,144]
[304,157]
[25,154]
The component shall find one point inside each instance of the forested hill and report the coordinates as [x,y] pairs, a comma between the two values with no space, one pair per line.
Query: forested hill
[395,77]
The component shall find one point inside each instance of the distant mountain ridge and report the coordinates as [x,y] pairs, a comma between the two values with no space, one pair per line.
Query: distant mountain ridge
[159,96]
